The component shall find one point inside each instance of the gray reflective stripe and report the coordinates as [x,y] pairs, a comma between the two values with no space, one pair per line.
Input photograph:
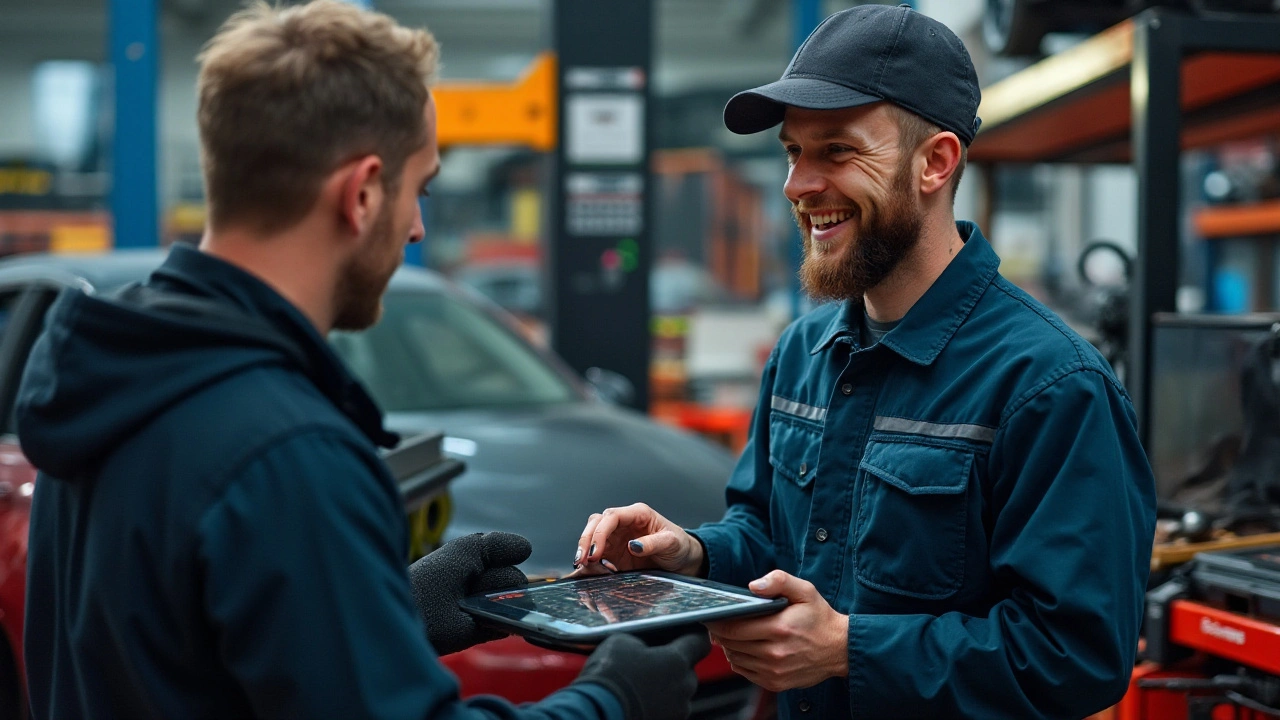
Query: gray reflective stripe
[979,433]
[791,407]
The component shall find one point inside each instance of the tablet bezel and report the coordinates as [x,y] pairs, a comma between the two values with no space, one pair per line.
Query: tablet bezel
[539,625]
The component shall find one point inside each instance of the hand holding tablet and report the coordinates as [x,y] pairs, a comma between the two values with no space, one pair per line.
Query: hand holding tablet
[580,613]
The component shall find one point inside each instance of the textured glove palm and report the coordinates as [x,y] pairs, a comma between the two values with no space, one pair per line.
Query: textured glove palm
[653,683]
[471,564]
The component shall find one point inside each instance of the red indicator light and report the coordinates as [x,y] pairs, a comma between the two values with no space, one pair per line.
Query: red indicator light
[610,260]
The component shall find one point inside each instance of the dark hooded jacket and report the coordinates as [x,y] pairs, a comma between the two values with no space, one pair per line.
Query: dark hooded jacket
[213,533]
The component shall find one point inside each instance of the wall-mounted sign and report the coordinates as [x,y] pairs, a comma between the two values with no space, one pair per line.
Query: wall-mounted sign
[604,128]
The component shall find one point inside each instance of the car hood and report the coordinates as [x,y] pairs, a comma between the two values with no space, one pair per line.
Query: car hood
[542,471]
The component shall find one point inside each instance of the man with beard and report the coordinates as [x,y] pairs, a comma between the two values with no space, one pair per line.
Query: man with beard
[213,532]
[944,480]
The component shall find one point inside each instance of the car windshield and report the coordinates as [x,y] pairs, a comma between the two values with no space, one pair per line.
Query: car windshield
[431,351]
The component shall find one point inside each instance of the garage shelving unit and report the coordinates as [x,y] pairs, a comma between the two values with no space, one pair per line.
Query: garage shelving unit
[1142,92]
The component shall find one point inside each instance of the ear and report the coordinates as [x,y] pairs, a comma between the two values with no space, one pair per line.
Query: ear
[942,157]
[361,194]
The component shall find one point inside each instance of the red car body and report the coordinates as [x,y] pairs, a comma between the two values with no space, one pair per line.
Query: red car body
[17,480]
[521,672]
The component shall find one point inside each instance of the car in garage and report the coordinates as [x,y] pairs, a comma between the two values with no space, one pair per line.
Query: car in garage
[542,450]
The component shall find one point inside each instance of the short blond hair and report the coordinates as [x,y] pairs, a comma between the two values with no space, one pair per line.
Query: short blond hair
[287,95]
[913,130]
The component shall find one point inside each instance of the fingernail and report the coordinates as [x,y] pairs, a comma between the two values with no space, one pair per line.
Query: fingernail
[636,546]
[609,565]
[759,584]
[592,551]
[577,557]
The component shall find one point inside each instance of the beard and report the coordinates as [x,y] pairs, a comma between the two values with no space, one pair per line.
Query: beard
[886,233]
[361,284]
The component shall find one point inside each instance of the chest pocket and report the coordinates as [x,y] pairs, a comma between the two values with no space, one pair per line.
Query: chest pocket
[793,449]
[912,515]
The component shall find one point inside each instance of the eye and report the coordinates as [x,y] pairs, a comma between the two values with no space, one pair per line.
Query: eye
[837,149]
[793,152]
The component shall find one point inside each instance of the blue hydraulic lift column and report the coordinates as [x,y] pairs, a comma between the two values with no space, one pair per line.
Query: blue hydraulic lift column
[415,254]
[135,54]
[806,14]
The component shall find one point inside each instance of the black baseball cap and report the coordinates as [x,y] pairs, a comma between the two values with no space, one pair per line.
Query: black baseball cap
[867,54]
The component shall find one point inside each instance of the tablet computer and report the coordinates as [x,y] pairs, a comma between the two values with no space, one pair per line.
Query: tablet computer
[580,613]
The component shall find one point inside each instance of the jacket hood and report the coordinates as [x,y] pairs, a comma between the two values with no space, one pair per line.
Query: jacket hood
[106,365]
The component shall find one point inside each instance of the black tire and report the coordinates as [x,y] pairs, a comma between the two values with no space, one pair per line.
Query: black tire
[1013,27]
[13,700]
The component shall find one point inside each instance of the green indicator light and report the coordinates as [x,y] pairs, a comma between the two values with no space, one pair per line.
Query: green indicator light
[629,250]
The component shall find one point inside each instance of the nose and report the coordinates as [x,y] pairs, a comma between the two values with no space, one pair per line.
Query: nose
[803,179]
[418,231]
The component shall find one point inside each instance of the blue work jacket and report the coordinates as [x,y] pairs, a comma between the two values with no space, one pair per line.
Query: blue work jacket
[971,491]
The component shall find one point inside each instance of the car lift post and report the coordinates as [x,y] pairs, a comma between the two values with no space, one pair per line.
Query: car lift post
[599,247]
[135,49]
[1155,97]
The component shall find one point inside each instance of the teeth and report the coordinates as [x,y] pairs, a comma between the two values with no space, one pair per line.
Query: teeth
[828,218]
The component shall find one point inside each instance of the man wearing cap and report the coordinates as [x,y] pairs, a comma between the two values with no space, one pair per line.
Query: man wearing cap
[944,480]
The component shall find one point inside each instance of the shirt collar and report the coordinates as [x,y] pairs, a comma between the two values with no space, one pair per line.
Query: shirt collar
[927,327]
[841,324]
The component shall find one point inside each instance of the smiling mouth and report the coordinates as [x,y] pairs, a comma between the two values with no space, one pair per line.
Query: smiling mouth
[828,220]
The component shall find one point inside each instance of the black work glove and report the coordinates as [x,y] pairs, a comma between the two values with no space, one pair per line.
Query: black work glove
[472,564]
[653,683]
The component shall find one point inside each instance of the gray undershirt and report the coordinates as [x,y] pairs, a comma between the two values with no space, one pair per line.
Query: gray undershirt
[873,331]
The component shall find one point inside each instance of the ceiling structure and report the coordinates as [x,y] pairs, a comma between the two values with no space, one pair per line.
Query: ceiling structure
[699,42]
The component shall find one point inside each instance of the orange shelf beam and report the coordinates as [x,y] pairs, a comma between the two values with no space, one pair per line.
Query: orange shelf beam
[1239,221]
[1077,104]
[491,113]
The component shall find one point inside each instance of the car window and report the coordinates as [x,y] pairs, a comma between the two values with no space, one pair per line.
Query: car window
[21,319]
[8,304]
[432,351]
[514,289]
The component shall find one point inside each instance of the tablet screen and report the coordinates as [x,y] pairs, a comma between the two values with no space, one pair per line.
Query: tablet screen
[616,600]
